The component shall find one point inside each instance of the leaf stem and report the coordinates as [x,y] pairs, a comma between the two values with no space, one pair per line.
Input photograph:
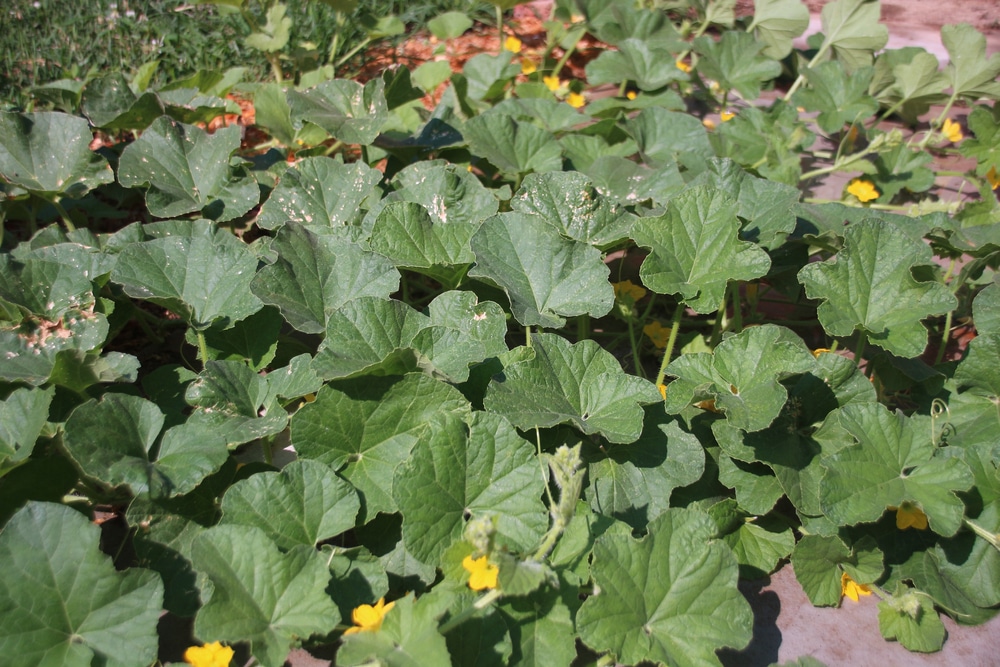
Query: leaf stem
[992,538]
[859,349]
[668,351]
[202,347]
[499,30]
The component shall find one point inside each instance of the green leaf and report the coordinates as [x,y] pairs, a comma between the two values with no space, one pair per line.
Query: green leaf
[118,441]
[669,138]
[777,23]
[514,147]
[316,274]
[488,75]
[541,630]
[546,276]
[253,340]
[67,605]
[669,597]
[358,577]
[636,61]
[321,192]
[567,201]
[985,145]
[23,414]
[767,208]
[736,63]
[820,561]
[767,142]
[383,337]
[449,192]
[840,99]
[259,594]
[274,35]
[891,463]
[634,483]
[695,249]
[580,384]
[915,85]
[185,170]
[759,543]
[549,114]
[902,168]
[978,371]
[352,113]
[235,402]
[49,153]
[971,74]
[406,234]
[852,30]
[629,183]
[305,503]
[449,25]
[44,287]
[869,285]
[911,619]
[461,473]
[408,637]
[741,375]
[204,277]
[108,102]
[366,427]
[32,349]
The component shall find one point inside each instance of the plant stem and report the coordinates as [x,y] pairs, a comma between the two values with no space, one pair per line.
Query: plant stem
[859,350]
[992,538]
[499,30]
[63,214]
[202,347]
[737,309]
[468,612]
[668,351]
[635,348]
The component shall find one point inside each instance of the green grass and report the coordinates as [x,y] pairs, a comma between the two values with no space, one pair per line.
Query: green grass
[46,40]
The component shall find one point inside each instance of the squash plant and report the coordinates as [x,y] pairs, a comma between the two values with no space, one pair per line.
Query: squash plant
[533,376]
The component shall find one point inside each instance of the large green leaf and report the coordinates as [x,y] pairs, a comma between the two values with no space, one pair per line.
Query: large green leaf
[891,463]
[852,30]
[741,375]
[204,277]
[769,142]
[777,23]
[736,63]
[320,192]
[118,441]
[450,193]
[184,170]
[629,183]
[512,146]
[108,102]
[259,594]
[460,473]
[541,630]
[971,74]
[635,61]
[33,348]
[305,503]
[670,597]
[567,201]
[695,249]
[840,99]
[820,561]
[49,153]
[23,414]
[235,402]
[364,428]
[985,145]
[406,233]
[546,276]
[869,285]
[44,287]
[64,605]
[580,384]
[315,274]
[383,337]
[671,137]
[634,483]
[913,84]
[767,208]
[352,113]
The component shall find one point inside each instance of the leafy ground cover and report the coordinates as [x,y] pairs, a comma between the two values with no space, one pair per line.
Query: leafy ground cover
[526,360]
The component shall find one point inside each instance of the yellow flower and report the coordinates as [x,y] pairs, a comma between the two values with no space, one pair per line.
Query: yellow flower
[657,333]
[552,82]
[575,100]
[512,44]
[993,178]
[820,350]
[482,573]
[952,130]
[368,618]
[726,115]
[682,66]
[631,95]
[909,515]
[663,390]
[708,123]
[863,189]
[209,655]
[627,291]
[851,588]
[528,66]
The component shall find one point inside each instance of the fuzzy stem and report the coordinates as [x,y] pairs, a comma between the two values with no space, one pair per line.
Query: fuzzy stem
[668,351]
